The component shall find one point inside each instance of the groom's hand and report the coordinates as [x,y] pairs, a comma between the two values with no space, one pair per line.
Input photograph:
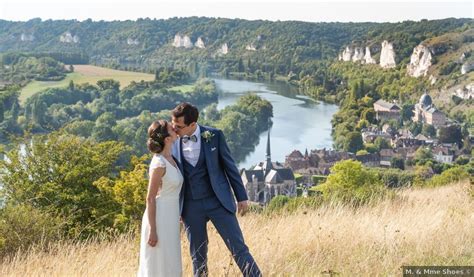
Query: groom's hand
[242,207]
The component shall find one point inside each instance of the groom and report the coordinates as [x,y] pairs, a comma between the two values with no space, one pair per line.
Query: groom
[211,180]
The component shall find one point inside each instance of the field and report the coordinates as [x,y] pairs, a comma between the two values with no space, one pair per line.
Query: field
[86,74]
[419,227]
[183,88]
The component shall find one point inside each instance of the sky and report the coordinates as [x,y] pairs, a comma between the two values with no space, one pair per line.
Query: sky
[301,10]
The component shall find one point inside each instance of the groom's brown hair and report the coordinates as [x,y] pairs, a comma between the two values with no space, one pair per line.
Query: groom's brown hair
[189,111]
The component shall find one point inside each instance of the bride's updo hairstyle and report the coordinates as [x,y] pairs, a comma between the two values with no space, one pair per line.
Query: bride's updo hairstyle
[157,132]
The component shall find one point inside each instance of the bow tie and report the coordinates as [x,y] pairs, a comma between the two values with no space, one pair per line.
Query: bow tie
[190,138]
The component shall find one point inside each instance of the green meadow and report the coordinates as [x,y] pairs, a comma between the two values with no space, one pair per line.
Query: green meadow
[86,74]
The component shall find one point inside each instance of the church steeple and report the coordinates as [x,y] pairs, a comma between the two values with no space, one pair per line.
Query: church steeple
[268,156]
[268,162]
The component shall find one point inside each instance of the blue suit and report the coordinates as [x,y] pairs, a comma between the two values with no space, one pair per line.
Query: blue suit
[208,194]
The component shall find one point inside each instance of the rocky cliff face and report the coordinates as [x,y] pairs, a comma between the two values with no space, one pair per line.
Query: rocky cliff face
[420,61]
[26,37]
[200,43]
[69,38]
[223,50]
[368,57]
[182,41]
[466,92]
[347,54]
[131,41]
[251,47]
[467,67]
[358,54]
[387,55]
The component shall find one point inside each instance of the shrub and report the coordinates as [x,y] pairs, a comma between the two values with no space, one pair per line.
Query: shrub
[454,174]
[277,203]
[286,204]
[22,226]
[394,178]
[350,182]
[317,179]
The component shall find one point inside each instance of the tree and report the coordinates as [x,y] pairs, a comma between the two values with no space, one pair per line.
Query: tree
[129,191]
[71,85]
[56,174]
[108,84]
[38,111]
[381,143]
[423,156]
[362,124]
[15,110]
[407,112]
[450,134]
[353,142]
[240,67]
[369,115]
[428,130]
[350,182]
[1,112]
[396,162]
[416,128]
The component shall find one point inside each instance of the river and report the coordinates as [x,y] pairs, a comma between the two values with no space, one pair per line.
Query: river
[298,122]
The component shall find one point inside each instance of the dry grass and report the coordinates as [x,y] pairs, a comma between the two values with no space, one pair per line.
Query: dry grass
[420,227]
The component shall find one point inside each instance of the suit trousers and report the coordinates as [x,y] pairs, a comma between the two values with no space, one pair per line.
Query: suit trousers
[196,214]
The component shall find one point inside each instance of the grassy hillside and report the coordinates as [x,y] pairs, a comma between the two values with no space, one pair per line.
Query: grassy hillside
[418,227]
[86,74]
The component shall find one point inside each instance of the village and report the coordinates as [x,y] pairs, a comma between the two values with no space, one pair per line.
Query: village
[397,148]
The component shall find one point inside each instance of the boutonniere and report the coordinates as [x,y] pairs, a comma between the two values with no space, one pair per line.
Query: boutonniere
[207,136]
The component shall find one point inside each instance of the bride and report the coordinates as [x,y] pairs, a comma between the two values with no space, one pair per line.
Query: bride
[160,249]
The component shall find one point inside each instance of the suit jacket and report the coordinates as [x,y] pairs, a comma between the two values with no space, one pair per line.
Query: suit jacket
[223,173]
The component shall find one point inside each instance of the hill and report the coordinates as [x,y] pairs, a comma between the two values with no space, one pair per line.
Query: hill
[211,43]
[418,227]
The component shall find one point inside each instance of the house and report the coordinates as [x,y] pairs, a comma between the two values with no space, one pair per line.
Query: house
[386,156]
[318,162]
[386,111]
[425,112]
[443,154]
[327,158]
[369,160]
[269,179]
[297,161]
[386,128]
[405,153]
[370,136]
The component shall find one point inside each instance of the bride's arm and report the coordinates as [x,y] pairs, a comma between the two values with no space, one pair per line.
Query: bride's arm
[154,186]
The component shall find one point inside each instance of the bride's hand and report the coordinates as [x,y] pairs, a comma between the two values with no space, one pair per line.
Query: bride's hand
[153,238]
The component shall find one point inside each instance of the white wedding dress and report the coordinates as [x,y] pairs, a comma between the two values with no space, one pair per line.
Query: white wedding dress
[163,260]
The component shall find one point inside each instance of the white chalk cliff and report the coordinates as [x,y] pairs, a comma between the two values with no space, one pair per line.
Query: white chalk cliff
[347,54]
[420,61]
[368,57]
[358,54]
[387,55]
[68,38]
[223,50]
[131,41]
[467,92]
[467,67]
[182,41]
[250,47]
[26,37]
[200,43]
